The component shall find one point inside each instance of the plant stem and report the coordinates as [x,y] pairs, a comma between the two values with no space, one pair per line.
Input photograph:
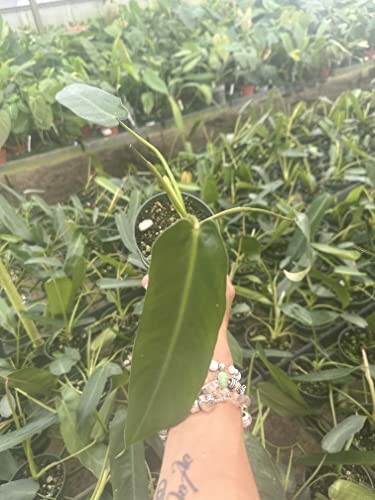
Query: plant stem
[27,444]
[163,161]
[103,479]
[16,301]
[58,462]
[370,382]
[235,210]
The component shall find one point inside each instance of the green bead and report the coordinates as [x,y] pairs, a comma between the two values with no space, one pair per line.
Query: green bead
[222,379]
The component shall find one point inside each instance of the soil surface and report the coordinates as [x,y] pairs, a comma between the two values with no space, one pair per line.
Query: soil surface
[352,342]
[159,214]
[52,482]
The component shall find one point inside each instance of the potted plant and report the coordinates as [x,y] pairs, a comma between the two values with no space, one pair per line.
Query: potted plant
[187,247]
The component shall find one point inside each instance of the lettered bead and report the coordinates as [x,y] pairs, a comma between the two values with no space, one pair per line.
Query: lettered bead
[221,366]
[214,365]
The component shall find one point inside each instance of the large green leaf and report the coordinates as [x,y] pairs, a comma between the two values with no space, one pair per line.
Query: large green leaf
[266,473]
[35,381]
[22,489]
[5,127]
[92,104]
[128,467]
[184,306]
[334,441]
[348,490]
[38,424]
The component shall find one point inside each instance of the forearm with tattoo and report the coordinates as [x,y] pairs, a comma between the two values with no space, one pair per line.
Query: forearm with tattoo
[186,487]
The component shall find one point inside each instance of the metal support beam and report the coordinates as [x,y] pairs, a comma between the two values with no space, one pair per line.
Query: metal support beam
[36,15]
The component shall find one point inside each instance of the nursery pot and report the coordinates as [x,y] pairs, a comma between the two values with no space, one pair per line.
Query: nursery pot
[247,90]
[219,94]
[350,342]
[157,214]
[52,483]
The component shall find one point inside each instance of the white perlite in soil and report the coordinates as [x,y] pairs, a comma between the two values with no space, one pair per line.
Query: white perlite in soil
[145,224]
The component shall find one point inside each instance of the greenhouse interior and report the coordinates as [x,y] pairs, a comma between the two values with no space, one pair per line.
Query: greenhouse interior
[187,249]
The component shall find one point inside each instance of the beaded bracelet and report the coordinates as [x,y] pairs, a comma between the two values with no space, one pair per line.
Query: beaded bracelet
[226,387]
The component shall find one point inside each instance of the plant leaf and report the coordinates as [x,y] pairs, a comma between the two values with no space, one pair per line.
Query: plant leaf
[64,361]
[74,440]
[37,425]
[59,294]
[266,473]
[35,381]
[109,283]
[5,127]
[183,309]
[337,252]
[350,457]
[280,402]
[329,375]
[8,467]
[128,468]
[22,489]
[153,80]
[336,438]
[91,395]
[92,104]
[348,490]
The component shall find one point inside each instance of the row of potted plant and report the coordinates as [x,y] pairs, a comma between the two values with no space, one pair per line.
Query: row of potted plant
[71,299]
[168,59]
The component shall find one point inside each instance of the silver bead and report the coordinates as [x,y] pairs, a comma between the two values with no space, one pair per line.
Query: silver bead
[221,367]
[238,376]
[246,419]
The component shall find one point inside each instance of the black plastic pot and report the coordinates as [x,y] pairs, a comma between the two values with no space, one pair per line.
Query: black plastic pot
[201,207]
[43,460]
[355,360]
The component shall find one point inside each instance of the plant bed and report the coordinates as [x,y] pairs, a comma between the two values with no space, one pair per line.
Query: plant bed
[352,341]
[51,482]
[157,214]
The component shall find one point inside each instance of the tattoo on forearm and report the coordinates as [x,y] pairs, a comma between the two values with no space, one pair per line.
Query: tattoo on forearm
[186,485]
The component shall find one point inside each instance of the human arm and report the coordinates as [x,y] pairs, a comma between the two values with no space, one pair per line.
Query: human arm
[205,456]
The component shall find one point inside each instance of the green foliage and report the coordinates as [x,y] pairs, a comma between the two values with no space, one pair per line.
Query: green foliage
[189,264]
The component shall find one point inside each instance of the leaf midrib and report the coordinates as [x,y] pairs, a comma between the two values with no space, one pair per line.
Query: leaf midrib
[175,336]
